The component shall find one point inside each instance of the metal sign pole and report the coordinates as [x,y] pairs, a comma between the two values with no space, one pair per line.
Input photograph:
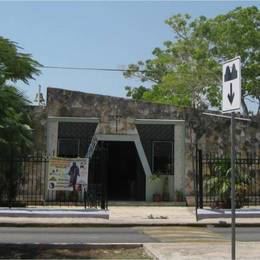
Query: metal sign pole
[231,101]
[233,199]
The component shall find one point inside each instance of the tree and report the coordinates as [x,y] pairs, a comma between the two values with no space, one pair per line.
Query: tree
[187,71]
[15,65]
[15,131]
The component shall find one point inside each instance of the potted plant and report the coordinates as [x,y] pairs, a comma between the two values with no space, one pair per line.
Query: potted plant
[179,196]
[218,185]
[166,195]
[155,179]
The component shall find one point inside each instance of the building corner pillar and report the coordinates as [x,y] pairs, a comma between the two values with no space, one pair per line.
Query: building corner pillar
[179,158]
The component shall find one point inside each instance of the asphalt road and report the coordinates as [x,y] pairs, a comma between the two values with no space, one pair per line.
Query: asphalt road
[124,235]
[242,233]
[72,235]
[200,234]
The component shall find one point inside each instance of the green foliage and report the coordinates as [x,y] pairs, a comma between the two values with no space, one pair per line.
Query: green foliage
[15,65]
[233,34]
[218,184]
[15,121]
[15,131]
[155,178]
[179,195]
[135,93]
[188,71]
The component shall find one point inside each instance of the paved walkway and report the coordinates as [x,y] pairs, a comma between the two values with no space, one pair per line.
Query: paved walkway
[132,215]
[205,251]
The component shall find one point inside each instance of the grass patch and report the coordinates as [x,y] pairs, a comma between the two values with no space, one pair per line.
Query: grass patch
[72,252]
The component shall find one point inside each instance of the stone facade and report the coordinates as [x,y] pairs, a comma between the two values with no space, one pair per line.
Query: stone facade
[211,134]
[118,117]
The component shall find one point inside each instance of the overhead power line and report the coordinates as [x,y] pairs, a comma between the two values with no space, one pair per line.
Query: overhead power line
[84,68]
[112,69]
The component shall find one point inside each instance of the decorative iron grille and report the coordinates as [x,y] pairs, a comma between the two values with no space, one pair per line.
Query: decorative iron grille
[80,131]
[152,132]
[213,181]
[23,182]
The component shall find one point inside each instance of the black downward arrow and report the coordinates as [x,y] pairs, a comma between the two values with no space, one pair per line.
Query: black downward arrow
[231,94]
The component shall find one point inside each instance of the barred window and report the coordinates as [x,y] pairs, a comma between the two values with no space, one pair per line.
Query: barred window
[163,157]
[68,147]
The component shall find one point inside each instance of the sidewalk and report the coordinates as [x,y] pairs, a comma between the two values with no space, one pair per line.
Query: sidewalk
[205,251]
[130,216]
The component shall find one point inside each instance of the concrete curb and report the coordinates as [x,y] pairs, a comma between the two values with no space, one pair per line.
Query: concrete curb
[73,245]
[53,213]
[127,224]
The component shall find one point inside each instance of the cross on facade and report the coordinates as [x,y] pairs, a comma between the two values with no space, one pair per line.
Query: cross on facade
[117,117]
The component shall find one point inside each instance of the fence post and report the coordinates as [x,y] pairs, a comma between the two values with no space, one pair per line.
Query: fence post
[200,179]
[103,162]
[196,179]
[10,180]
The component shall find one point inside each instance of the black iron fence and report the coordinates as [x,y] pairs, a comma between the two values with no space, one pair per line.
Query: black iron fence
[24,182]
[212,182]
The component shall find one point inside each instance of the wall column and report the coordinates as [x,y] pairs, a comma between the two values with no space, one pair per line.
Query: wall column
[179,159]
[52,137]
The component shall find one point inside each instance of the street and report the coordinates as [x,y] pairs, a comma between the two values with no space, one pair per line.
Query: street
[201,234]
[157,234]
[72,235]
[242,234]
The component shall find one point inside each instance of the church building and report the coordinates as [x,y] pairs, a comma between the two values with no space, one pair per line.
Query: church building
[150,147]
[142,140]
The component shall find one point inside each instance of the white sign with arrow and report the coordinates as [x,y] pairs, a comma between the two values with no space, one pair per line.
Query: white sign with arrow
[231,90]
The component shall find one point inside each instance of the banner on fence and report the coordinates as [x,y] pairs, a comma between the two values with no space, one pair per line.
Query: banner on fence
[67,174]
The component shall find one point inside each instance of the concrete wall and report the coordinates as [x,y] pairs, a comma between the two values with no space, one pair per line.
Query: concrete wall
[192,128]
[175,182]
[117,117]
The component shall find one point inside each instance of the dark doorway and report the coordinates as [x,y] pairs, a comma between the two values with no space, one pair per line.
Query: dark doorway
[125,175]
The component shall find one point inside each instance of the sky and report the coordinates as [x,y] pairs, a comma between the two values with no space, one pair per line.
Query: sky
[94,34]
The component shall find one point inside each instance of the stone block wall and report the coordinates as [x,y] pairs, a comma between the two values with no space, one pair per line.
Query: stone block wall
[211,134]
[39,121]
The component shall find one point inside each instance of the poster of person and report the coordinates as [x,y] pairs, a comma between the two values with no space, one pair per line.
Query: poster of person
[67,174]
